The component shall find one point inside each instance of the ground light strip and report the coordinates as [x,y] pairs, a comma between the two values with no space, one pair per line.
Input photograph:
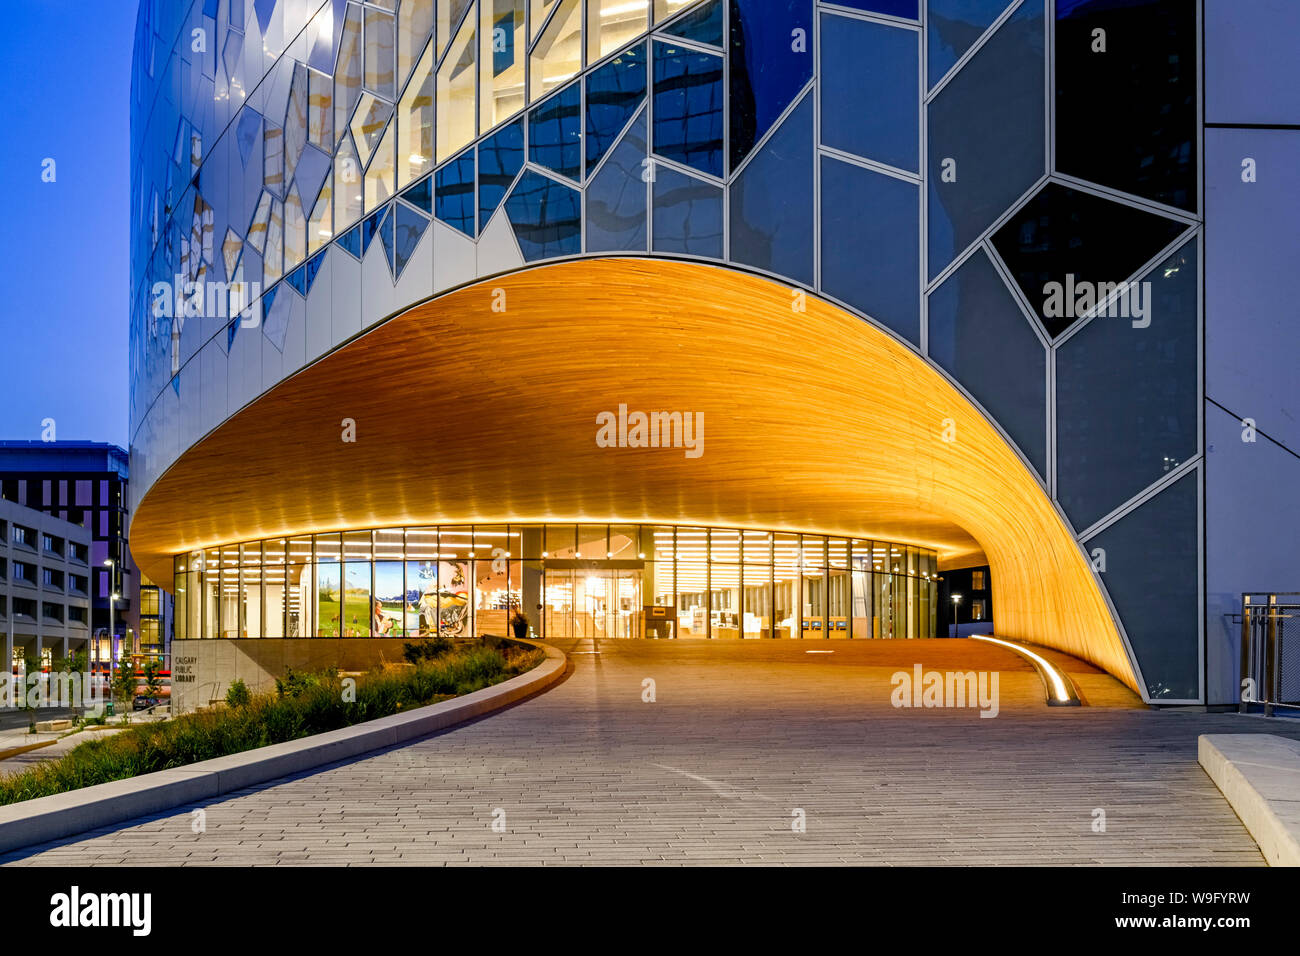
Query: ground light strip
[1060,692]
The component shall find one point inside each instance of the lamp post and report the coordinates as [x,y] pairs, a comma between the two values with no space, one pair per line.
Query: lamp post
[956,601]
[112,635]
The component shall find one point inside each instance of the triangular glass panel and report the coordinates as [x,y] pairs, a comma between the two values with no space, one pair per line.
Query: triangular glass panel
[312,268]
[453,201]
[703,24]
[764,77]
[421,195]
[298,280]
[268,299]
[231,330]
[410,226]
[351,241]
[1063,245]
[614,93]
[386,238]
[500,157]
[312,169]
[264,10]
[176,385]
[246,130]
[555,132]
[370,226]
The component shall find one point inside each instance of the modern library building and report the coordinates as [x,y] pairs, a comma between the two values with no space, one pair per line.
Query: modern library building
[715,319]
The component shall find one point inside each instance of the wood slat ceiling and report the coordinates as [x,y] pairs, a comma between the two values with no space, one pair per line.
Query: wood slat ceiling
[814,420]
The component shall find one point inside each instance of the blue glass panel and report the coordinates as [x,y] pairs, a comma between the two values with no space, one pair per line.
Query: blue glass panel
[613,94]
[298,280]
[386,236]
[500,157]
[616,197]
[953,27]
[688,214]
[351,241]
[1126,395]
[231,331]
[454,193]
[555,132]
[369,227]
[1152,563]
[772,201]
[907,9]
[770,64]
[313,166]
[1151,50]
[978,333]
[879,62]
[545,217]
[1073,238]
[871,257]
[421,195]
[409,228]
[688,107]
[312,268]
[246,131]
[176,382]
[986,136]
[703,24]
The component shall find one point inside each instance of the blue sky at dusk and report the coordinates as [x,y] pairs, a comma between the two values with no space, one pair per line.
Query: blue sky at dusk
[66,68]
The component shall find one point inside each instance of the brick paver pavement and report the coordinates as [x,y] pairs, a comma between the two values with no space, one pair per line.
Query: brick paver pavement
[743,738]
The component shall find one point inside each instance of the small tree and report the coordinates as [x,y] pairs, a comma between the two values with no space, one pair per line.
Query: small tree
[152,678]
[124,683]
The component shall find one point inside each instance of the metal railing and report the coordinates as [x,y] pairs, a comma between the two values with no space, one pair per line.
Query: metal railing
[1270,651]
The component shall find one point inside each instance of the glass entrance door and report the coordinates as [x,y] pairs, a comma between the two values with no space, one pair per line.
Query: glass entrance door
[595,602]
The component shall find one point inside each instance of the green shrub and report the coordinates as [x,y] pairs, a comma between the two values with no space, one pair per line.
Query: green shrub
[303,704]
[429,649]
[237,694]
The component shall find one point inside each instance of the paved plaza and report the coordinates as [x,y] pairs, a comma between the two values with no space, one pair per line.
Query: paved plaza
[771,752]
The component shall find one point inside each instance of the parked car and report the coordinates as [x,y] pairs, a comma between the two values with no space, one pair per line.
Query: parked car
[145,703]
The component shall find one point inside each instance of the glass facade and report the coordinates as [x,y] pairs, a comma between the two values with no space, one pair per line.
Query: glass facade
[781,136]
[603,581]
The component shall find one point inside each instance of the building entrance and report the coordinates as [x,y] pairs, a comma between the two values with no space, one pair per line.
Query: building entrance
[598,601]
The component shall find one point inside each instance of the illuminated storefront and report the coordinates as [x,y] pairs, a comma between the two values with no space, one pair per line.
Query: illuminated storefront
[584,581]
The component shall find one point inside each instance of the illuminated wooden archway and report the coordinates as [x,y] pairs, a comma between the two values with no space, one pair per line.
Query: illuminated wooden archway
[482,405]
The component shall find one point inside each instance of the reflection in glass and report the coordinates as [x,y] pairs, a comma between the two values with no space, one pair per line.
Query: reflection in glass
[415,123]
[456,110]
[379,53]
[379,177]
[347,76]
[557,57]
[688,107]
[414,23]
[501,60]
[613,23]
[555,132]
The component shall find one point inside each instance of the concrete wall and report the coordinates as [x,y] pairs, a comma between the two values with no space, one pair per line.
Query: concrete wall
[202,671]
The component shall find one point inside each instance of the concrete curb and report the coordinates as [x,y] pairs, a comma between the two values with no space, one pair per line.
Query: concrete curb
[1259,775]
[65,814]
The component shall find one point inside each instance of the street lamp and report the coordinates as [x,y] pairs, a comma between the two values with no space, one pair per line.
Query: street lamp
[112,636]
[956,600]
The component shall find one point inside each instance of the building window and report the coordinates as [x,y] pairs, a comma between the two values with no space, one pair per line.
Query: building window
[24,607]
[977,610]
[24,572]
[4,606]
[149,633]
[76,615]
[977,581]
[4,569]
[52,545]
[51,578]
[24,536]
[77,552]
[149,601]
[52,611]
[78,583]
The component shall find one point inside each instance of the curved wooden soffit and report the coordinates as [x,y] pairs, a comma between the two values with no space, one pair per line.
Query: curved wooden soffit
[813,420]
